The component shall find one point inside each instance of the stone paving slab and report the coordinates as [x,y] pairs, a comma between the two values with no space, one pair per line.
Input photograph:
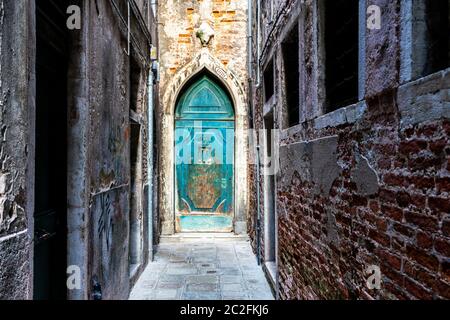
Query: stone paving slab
[193,269]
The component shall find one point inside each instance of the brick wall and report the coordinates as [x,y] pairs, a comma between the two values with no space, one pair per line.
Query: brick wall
[185,52]
[366,185]
[180,21]
[404,228]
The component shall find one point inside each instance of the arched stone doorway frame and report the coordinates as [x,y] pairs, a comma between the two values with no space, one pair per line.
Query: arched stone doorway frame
[201,62]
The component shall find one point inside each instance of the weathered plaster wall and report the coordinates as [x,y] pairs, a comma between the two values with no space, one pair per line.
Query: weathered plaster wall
[109,141]
[16,149]
[367,184]
[98,146]
[381,44]
[182,55]
[108,157]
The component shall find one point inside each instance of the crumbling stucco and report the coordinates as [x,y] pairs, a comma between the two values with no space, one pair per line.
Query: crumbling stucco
[314,161]
[16,149]
[15,267]
[383,50]
[108,153]
[332,229]
[365,177]
[98,145]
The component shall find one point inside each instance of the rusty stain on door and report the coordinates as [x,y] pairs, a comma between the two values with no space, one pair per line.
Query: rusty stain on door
[204,159]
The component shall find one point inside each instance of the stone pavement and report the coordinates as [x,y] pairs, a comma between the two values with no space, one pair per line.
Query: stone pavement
[203,269]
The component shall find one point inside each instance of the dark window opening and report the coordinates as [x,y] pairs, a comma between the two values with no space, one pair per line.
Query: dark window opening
[135,77]
[50,215]
[135,171]
[290,48]
[269,77]
[341,53]
[269,179]
[269,126]
[437,35]
[135,221]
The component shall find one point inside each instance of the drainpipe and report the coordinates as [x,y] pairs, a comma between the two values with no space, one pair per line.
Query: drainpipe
[250,77]
[154,7]
[250,59]
[150,161]
[258,207]
[258,44]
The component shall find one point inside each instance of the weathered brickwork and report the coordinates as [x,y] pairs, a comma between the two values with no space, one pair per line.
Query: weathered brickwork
[402,228]
[197,37]
[366,185]
[180,22]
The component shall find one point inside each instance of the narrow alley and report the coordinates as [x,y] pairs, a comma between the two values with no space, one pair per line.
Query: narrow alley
[224,150]
[203,267]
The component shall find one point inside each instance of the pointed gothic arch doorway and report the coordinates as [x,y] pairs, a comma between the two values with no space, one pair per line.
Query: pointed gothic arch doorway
[204,157]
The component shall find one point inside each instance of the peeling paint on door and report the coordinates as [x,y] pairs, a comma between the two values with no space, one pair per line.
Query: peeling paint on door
[204,159]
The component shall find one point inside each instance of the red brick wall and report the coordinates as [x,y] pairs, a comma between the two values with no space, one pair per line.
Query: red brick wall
[404,228]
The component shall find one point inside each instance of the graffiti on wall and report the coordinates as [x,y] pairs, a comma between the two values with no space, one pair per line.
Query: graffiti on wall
[105,219]
[109,232]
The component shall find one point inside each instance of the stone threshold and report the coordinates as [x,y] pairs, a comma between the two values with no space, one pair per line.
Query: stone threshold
[270,271]
[186,236]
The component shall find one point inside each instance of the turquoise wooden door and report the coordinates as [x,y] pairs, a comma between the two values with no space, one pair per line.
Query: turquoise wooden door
[204,159]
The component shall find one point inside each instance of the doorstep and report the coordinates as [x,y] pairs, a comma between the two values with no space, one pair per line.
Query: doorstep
[210,236]
[270,270]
